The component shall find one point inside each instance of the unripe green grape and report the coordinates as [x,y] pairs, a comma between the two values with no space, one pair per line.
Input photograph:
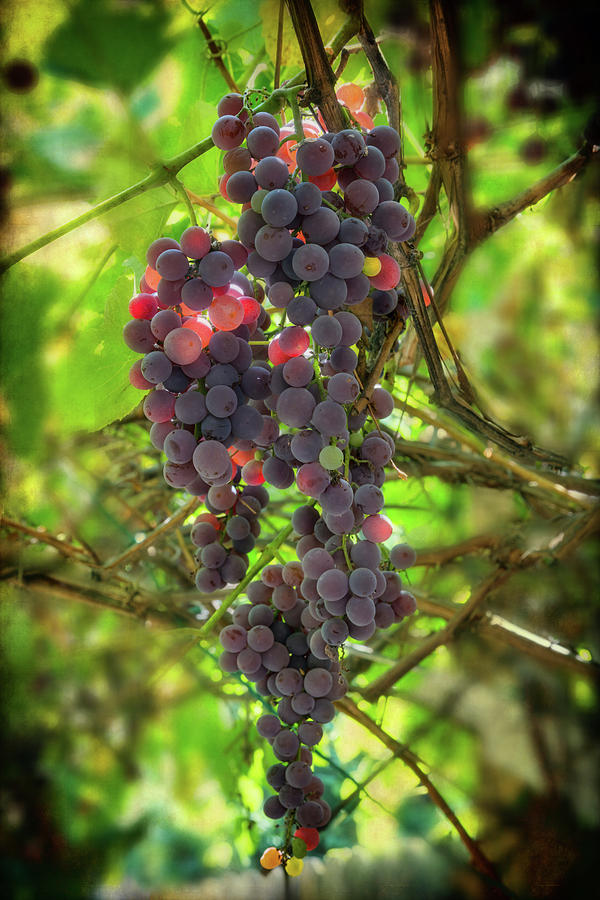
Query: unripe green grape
[257,199]
[356,439]
[331,457]
[299,848]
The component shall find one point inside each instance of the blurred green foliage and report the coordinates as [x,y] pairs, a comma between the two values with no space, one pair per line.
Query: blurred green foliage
[129,759]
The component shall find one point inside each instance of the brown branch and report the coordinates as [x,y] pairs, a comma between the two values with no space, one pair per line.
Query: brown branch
[217,56]
[402,752]
[213,208]
[490,221]
[443,555]
[446,140]
[137,606]
[384,682]
[161,529]
[64,547]
[430,204]
[277,75]
[319,74]
[500,630]
[561,489]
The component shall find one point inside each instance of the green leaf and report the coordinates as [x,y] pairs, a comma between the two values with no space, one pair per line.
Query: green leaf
[135,224]
[106,44]
[27,295]
[90,385]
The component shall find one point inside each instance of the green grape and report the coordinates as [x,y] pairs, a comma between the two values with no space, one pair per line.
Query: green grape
[299,848]
[356,439]
[257,199]
[331,457]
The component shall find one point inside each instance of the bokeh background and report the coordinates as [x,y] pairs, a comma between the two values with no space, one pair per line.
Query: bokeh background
[130,766]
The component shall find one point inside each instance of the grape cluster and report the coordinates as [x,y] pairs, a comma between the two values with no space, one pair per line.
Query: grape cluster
[237,404]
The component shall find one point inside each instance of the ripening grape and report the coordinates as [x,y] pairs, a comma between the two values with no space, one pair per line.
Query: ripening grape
[352,95]
[228,132]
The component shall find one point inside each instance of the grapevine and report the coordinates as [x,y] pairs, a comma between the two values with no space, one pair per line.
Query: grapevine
[250,359]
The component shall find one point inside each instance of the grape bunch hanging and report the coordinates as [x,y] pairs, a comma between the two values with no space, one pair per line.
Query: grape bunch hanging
[250,362]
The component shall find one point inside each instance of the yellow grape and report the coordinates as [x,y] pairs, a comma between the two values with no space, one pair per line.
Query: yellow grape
[294,866]
[372,266]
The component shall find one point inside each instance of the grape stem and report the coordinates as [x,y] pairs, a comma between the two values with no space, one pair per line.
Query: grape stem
[292,100]
[263,560]
[179,187]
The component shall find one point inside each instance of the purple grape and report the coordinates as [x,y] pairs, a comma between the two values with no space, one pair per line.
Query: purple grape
[290,797]
[332,584]
[402,556]
[228,132]
[329,292]
[310,733]
[159,406]
[278,208]
[138,336]
[179,446]
[360,610]
[298,774]
[286,744]
[362,582]
[301,310]
[310,262]
[308,198]
[233,638]
[385,190]
[159,246]
[369,499]
[312,479]
[318,682]
[164,321]
[273,809]
[321,227]
[303,519]
[295,407]
[262,142]
[361,197]
[353,231]
[273,243]
[346,260]
[385,139]
[330,418]
[343,388]
[372,165]
[270,173]
[156,367]
[316,562]
[216,268]
[260,638]
[324,710]
[348,146]
[241,186]
[315,157]
[172,265]
[298,371]
[326,331]
[268,726]
[276,774]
